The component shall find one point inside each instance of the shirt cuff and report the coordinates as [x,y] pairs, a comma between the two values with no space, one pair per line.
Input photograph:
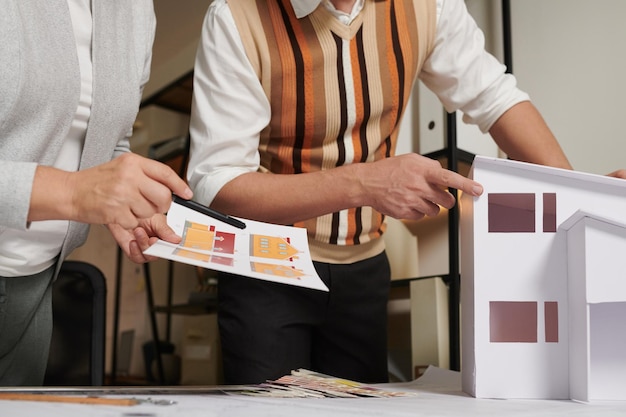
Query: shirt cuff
[206,186]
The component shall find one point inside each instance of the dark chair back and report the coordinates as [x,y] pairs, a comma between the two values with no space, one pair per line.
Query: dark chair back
[78,336]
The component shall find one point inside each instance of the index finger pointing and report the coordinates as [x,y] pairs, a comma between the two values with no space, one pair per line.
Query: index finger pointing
[451,179]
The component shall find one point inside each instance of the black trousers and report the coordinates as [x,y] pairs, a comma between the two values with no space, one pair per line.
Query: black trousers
[268,329]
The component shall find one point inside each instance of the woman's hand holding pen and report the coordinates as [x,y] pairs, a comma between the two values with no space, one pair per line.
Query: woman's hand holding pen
[123,191]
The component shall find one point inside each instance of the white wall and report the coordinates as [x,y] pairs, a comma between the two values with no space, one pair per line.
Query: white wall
[176,40]
[569,55]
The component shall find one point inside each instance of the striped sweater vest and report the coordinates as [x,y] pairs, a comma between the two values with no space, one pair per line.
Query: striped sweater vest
[337,93]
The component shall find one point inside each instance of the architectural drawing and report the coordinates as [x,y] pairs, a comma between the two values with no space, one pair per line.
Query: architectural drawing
[205,237]
[272,247]
[265,251]
[276,270]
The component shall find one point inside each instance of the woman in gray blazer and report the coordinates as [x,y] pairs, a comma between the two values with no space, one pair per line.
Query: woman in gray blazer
[71,78]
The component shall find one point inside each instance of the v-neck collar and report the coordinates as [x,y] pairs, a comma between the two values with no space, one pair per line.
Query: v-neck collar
[304,8]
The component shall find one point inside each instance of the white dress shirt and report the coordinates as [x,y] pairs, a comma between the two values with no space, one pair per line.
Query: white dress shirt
[229,114]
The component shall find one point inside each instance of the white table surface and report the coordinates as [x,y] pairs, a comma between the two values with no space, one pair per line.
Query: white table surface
[438,394]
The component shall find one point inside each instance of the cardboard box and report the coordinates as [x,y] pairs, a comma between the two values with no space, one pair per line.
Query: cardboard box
[201,362]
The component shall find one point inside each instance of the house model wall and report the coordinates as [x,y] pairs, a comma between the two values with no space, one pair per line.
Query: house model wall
[543,283]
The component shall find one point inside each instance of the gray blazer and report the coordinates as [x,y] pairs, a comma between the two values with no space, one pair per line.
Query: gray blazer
[40,86]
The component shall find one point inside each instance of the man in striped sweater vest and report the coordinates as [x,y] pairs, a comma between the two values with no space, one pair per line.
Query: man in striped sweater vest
[297,105]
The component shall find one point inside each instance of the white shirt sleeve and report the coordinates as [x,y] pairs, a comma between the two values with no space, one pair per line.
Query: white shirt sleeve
[462,74]
[229,108]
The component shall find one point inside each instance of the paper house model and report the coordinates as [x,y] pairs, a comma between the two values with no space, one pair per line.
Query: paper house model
[543,284]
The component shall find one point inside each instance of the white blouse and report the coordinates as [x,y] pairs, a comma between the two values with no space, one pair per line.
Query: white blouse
[28,252]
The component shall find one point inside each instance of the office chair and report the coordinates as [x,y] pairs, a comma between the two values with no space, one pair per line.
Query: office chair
[77,349]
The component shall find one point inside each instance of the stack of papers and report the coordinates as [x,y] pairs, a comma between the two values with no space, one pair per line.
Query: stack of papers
[308,384]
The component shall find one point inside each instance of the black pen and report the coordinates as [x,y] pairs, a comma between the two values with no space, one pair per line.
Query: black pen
[210,212]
